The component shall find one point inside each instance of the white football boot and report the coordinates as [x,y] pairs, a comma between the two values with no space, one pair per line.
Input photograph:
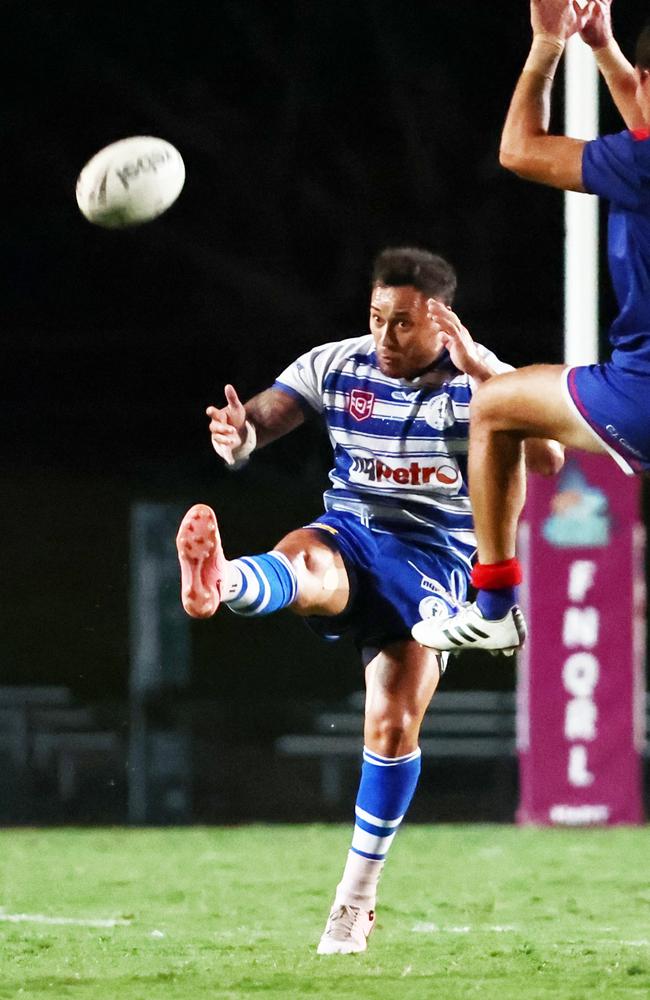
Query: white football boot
[202,561]
[468,629]
[347,930]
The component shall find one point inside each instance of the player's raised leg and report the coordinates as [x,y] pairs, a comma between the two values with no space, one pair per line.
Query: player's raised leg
[400,682]
[506,410]
[302,572]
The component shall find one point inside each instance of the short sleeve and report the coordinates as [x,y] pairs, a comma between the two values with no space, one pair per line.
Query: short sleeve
[303,379]
[611,169]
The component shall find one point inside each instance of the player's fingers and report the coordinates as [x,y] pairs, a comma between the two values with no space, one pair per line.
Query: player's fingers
[434,314]
[234,402]
[220,417]
[448,323]
[449,312]
[225,432]
[580,12]
[439,310]
[218,413]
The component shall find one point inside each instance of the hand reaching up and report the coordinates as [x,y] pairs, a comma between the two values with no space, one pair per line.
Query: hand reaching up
[228,426]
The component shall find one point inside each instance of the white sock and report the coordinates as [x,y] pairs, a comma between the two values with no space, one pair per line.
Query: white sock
[233,581]
[358,885]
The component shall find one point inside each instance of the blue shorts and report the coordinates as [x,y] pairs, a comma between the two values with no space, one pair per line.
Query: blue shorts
[615,405]
[397,577]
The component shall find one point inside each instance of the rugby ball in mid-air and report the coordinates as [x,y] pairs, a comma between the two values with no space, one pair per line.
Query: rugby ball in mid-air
[130,182]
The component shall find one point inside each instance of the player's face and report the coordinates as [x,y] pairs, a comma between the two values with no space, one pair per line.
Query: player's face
[404,339]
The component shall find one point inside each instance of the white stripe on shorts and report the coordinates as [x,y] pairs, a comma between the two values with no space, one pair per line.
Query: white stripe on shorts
[620,461]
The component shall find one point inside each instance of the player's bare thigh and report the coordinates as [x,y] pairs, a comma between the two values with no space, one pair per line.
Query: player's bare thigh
[400,682]
[530,401]
[323,586]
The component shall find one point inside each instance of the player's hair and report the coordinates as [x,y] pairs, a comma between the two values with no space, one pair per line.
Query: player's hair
[642,51]
[426,271]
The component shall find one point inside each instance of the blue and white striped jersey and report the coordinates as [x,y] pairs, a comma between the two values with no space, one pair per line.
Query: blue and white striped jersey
[400,446]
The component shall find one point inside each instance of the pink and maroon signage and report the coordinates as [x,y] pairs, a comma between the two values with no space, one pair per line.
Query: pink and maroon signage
[580,695]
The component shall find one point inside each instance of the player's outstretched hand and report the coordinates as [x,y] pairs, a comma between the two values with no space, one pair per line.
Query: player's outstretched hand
[228,425]
[560,18]
[596,28]
[456,338]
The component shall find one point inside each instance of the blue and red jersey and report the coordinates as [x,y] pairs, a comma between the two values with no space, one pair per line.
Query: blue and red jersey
[617,168]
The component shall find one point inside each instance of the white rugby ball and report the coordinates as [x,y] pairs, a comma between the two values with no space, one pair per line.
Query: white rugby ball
[130,182]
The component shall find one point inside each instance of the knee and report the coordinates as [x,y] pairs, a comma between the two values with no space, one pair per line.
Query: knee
[392,734]
[309,560]
[322,584]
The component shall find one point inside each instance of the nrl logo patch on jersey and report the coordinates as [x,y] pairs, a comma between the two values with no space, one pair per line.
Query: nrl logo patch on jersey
[439,414]
[361,404]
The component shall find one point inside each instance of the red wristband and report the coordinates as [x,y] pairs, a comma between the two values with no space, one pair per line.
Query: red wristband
[495,576]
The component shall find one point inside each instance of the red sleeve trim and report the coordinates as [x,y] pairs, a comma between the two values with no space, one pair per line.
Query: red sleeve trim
[640,134]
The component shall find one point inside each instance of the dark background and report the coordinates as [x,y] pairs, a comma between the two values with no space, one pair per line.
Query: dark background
[314,133]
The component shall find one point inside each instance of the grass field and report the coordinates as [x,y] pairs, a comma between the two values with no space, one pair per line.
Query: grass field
[465,911]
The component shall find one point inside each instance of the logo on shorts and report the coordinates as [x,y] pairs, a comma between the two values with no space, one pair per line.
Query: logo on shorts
[626,444]
[434,607]
[361,404]
[439,603]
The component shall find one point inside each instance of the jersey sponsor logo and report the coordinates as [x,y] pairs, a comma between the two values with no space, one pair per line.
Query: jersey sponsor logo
[439,414]
[374,470]
[361,404]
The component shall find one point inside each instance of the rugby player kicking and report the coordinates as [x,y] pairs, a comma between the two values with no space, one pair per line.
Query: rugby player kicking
[395,542]
[596,408]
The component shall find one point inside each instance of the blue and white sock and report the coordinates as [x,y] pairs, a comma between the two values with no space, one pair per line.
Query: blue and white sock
[259,585]
[385,792]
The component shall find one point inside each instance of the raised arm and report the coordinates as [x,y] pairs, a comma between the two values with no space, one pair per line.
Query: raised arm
[237,428]
[526,147]
[617,71]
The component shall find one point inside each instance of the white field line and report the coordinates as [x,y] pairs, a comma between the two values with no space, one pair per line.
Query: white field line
[426,928]
[43,918]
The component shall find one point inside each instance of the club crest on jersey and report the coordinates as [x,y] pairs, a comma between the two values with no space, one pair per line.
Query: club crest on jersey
[361,404]
[439,414]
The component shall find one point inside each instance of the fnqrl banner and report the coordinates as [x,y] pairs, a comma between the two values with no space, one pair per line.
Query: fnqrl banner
[580,696]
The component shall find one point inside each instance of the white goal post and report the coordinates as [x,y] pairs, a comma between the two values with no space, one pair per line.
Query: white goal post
[580,213]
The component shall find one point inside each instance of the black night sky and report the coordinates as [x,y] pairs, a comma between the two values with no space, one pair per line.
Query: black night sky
[314,132]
